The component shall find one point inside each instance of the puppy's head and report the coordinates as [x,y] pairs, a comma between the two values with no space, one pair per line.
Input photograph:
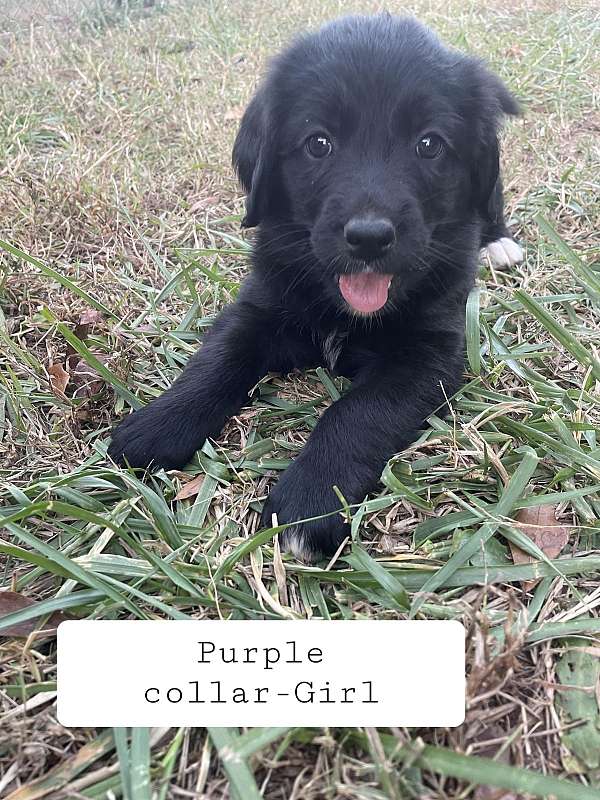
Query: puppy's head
[376,141]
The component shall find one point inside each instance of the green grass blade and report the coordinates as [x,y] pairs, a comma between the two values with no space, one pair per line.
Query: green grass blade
[140,764]
[360,559]
[558,630]
[169,762]
[486,772]
[558,331]
[473,331]
[120,737]
[257,739]
[93,361]
[240,776]
[511,494]
[46,607]
[61,279]
[83,576]
[586,276]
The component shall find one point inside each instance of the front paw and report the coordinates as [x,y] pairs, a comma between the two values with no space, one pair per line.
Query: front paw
[158,435]
[504,253]
[302,493]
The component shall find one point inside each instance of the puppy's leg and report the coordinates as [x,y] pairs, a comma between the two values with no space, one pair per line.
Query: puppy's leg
[496,240]
[213,386]
[380,415]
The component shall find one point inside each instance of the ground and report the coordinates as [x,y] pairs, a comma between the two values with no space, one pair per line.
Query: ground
[116,191]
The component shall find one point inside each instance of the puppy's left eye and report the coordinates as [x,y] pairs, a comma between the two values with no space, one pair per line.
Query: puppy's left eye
[319,145]
[430,146]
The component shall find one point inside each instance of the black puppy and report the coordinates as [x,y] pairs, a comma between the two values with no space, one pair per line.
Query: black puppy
[370,159]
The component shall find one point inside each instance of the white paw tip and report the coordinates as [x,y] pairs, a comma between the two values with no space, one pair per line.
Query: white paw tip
[293,541]
[504,253]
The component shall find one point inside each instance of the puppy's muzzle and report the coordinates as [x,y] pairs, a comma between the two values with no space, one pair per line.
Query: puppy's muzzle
[369,238]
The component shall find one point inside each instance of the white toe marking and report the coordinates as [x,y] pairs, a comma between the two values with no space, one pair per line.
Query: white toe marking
[504,253]
[497,255]
[513,250]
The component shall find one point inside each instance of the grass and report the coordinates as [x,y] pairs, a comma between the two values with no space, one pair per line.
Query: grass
[119,217]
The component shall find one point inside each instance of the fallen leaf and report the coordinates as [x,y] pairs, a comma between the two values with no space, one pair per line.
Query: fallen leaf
[191,488]
[89,317]
[59,378]
[540,525]
[86,379]
[13,601]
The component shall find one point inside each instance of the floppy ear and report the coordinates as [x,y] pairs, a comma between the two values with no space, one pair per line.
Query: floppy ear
[252,158]
[484,176]
[495,101]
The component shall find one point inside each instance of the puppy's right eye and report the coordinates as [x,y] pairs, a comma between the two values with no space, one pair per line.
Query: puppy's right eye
[319,145]
[430,146]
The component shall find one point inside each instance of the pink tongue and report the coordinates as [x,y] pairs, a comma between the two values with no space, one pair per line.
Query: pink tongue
[365,291]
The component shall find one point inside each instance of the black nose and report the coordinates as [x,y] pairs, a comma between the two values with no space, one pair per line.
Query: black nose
[369,237]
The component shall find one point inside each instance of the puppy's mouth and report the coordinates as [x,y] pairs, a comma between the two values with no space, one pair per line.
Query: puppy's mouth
[365,292]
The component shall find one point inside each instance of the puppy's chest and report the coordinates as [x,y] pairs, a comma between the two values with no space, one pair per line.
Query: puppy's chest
[346,352]
[331,346]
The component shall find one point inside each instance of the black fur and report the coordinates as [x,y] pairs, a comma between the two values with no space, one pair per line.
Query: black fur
[374,86]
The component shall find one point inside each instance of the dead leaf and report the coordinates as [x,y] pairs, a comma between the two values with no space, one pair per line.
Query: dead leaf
[13,601]
[59,378]
[191,488]
[86,379]
[540,525]
[90,317]
[87,319]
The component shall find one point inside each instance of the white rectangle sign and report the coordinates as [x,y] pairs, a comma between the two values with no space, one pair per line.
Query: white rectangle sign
[261,673]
